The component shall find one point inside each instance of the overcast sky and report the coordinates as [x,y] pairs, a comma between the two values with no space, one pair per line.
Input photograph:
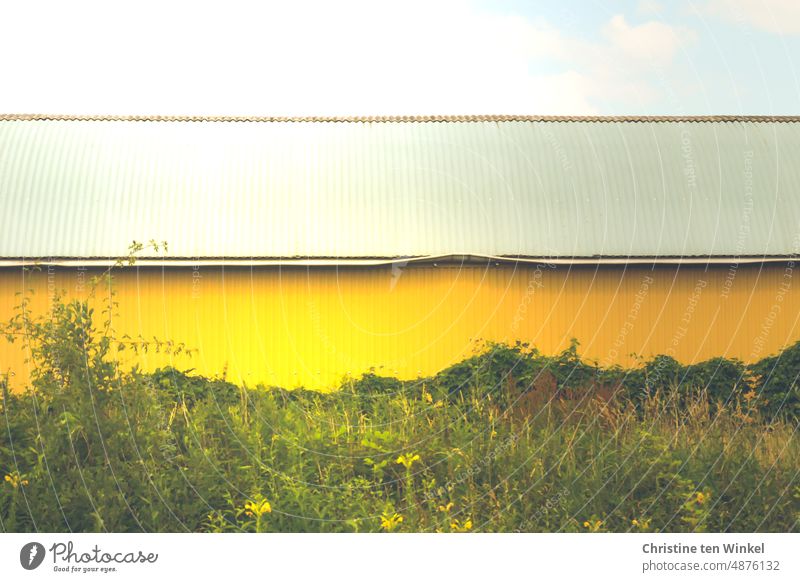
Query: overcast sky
[348,57]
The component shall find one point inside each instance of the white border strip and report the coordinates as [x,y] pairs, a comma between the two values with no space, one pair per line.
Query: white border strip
[403,557]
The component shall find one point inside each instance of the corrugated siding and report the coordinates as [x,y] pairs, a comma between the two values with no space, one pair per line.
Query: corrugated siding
[317,189]
[296,327]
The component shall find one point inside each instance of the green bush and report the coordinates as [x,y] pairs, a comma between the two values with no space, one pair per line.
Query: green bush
[776,380]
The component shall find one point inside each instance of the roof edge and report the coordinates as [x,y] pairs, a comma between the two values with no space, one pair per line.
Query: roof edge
[410,118]
[389,261]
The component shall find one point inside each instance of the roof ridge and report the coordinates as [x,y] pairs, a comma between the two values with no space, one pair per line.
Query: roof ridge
[411,118]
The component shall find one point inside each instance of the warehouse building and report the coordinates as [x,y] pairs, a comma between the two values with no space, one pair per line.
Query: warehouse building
[304,250]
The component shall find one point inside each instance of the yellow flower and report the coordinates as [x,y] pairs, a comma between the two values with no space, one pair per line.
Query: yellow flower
[446,508]
[593,525]
[642,525]
[407,460]
[427,396]
[15,480]
[455,526]
[391,522]
[701,497]
[257,508]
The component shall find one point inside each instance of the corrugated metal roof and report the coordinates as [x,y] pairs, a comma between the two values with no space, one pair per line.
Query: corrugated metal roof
[493,186]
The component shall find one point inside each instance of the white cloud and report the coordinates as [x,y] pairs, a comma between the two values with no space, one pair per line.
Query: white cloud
[649,7]
[350,57]
[653,42]
[775,16]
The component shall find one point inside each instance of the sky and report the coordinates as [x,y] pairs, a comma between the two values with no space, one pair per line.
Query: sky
[353,57]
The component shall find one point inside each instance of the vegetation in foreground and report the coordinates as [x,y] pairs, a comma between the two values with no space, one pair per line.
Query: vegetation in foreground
[508,440]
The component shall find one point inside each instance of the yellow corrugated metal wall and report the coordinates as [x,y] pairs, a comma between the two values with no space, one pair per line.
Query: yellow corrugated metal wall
[296,326]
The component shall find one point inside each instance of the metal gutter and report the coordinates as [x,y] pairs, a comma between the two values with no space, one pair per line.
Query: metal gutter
[389,261]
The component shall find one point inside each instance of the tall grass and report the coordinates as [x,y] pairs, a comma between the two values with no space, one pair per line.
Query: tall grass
[506,441]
